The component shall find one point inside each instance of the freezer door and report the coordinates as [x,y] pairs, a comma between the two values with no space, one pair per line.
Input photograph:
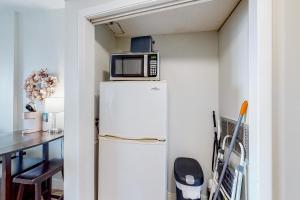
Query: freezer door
[133,109]
[132,170]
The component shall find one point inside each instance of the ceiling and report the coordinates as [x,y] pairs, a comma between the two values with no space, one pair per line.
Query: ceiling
[204,16]
[32,4]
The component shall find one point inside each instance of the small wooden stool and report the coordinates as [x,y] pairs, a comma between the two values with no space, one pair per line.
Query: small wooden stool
[38,175]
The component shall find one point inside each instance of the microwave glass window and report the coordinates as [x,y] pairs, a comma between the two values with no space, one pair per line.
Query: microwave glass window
[118,66]
[133,66]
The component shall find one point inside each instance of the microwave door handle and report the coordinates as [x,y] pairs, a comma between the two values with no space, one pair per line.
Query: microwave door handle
[145,65]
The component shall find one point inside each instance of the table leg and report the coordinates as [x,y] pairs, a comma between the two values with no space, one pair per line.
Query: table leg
[6,184]
[45,158]
[20,159]
[46,151]
[20,155]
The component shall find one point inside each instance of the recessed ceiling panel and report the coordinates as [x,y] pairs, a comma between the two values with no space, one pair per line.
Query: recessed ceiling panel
[205,16]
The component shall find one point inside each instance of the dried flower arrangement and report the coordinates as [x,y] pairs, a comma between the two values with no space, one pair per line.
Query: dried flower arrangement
[40,85]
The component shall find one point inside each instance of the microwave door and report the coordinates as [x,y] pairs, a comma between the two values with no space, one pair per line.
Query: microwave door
[129,66]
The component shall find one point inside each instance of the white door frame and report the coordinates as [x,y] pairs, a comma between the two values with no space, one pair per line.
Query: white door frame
[260,97]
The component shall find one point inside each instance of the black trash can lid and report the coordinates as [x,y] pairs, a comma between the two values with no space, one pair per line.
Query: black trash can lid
[188,171]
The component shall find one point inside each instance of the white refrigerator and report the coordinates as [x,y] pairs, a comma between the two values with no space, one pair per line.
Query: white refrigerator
[133,140]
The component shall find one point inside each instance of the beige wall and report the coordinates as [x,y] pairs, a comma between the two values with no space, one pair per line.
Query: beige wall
[234,62]
[105,44]
[189,63]
[286,98]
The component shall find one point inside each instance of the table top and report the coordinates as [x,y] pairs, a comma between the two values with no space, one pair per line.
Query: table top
[16,141]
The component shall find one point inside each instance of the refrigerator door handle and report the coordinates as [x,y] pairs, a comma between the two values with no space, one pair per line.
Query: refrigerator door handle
[150,140]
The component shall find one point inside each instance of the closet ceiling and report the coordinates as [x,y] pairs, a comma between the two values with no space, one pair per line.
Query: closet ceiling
[205,16]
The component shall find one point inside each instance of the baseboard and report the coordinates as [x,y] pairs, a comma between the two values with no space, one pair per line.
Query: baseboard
[172,196]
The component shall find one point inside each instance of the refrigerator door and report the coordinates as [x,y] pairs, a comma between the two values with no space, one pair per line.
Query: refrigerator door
[132,170]
[133,109]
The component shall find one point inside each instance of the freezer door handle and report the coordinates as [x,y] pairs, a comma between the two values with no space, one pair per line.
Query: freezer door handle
[150,140]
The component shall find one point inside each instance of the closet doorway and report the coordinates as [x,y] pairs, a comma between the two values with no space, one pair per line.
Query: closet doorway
[260,71]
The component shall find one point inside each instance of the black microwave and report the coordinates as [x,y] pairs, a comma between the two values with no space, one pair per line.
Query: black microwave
[134,66]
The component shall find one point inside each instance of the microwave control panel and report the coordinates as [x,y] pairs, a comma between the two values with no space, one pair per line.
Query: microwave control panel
[153,63]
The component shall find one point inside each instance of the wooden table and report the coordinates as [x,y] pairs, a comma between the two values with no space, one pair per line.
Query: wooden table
[16,142]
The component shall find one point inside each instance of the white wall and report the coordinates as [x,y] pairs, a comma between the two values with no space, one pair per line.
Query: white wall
[286,98]
[7,71]
[41,45]
[233,60]
[189,63]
